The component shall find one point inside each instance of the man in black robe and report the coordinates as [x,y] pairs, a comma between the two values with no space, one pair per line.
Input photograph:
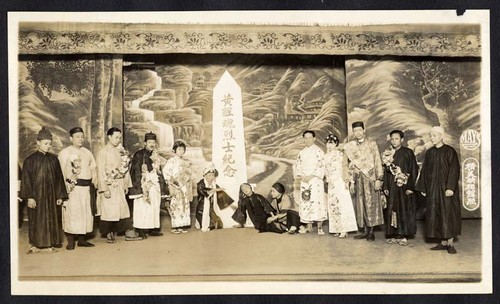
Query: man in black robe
[140,163]
[438,182]
[399,186]
[42,185]
[258,209]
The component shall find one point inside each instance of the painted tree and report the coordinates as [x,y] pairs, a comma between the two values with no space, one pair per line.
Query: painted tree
[442,86]
[78,77]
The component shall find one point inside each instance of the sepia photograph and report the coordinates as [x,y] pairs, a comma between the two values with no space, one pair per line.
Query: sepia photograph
[250,152]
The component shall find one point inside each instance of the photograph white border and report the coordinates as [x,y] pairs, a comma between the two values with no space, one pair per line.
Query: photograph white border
[312,18]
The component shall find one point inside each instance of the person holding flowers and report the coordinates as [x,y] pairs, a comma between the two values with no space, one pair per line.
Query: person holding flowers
[400,175]
[80,170]
[113,182]
[148,188]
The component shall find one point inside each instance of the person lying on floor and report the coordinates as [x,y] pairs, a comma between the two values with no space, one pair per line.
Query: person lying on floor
[257,208]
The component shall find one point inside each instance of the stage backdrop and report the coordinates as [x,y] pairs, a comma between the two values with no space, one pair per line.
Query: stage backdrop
[62,92]
[282,96]
[413,95]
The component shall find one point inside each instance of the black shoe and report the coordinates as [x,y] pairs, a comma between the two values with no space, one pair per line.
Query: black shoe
[85,244]
[142,234]
[155,233]
[70,246]
[370,237]
[451,250]
[57,246]
[440,247]
[361,236]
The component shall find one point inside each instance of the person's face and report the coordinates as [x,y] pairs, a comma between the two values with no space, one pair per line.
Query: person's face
[274,193]
[150,144]
[309,139]
[436,137]
[210,177]
[180,151]
[396,140]
[77,139]
[44,145]
[359,133]
[246,189]
[330,146]
[115,139]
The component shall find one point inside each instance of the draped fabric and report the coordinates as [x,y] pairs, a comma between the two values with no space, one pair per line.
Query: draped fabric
[441,172]
[258,210]
[43,181]
[401,206]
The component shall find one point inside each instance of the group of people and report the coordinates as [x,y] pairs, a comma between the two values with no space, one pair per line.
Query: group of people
[366,188]
[360,183]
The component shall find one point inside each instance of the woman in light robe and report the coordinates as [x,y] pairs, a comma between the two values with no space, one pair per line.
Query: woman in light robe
[341,216]
[177,173]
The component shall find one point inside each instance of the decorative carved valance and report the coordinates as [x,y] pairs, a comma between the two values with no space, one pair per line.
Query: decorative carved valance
[401,40]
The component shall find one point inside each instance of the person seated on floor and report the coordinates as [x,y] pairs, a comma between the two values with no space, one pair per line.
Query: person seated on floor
[257,208]
[287,215]
[211,200]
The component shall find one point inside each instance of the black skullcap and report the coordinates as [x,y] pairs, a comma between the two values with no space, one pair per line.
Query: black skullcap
[149,136]
[44,134]
[358,124]
[75,130]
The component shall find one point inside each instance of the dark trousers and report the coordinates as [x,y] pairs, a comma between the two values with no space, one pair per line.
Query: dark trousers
[292,219]
[116,226]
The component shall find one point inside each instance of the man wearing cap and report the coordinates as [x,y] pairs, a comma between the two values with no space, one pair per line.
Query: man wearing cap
[148,186]
[79,170]
[286,209]
[42,185]
[365,167]
[438,182]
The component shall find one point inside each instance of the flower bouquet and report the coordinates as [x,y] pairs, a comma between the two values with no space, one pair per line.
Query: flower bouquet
[76,169]
[400,178]
[118,173]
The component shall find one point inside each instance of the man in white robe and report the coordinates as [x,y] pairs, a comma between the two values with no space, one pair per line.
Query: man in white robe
[79,170]
[310,169]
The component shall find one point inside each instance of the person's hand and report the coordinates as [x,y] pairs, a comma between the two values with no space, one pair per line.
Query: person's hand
[386,192]
[107,194]
[408,192]
[423,193]
[351,188]
[270,219]
[126,190]
[59,202]
[31,203]
[449,192]
[378,185]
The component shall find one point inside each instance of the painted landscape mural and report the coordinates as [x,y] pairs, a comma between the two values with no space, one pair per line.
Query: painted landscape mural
[282,96]
[414,95]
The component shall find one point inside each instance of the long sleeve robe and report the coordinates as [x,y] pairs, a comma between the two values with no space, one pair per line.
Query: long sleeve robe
[43,181]
[441,172]
[404,206]
[77,212]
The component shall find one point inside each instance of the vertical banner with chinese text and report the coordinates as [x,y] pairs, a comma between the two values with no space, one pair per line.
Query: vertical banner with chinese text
[228,142]
[470,142]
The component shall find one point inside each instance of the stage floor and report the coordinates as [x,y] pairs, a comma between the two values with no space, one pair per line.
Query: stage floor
[244,254]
